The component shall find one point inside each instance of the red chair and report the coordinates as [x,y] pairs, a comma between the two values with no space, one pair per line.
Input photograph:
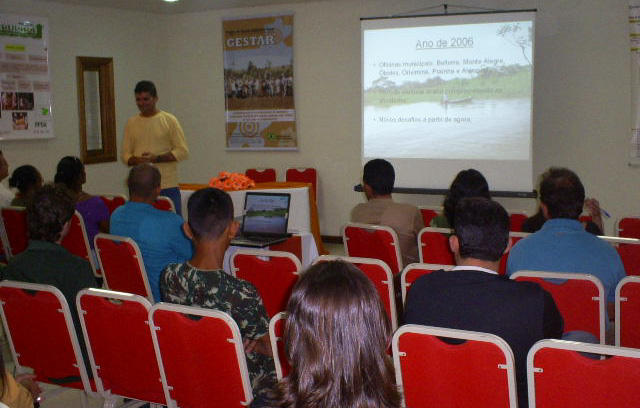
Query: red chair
[414,271]
[261,175]
[629,251]
[164,203]
[628,227]
[579,297]
[122,266]
[373,241]
[273,273]
[515,237]
[628,312]
[380,274]
[111,323]
[429,212]
[434,246]
[201,357]
[77,243]
[42,336]
[516,218]
[559,376]
[303,175]
[478,373]
[14,220]
[276,332]
[112,201]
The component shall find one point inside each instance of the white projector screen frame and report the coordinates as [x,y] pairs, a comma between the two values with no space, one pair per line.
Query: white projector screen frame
[450,92]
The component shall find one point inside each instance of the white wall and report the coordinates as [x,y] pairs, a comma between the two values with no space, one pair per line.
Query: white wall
[581,111]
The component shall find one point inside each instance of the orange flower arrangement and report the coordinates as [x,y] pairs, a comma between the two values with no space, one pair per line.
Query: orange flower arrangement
[231,181]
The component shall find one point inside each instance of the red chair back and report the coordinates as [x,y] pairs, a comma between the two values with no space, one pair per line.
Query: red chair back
[515,237]
[380,274]
[273,273]
[630,256]
[579,297]
[76,241]
[201,357]
[373,241]
[15,225]
[628,312]
[41,334]
[164,203]
[434,246]
[276,333]
[303,175]
[261,175]
[414,271]
[112,201]
[122,266]
[559,376]
[478,373]
[112,322]
[515,220]
[628,227]
[429,213]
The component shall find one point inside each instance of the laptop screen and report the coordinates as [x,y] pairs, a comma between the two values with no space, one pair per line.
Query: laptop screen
[265,213]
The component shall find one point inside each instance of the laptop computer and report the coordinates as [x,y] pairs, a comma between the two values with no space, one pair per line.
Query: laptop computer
[264,219]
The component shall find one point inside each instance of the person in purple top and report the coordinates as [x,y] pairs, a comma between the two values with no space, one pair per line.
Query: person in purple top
[95,214]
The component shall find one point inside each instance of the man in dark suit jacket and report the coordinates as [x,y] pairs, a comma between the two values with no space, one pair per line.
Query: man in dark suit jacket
[474,297]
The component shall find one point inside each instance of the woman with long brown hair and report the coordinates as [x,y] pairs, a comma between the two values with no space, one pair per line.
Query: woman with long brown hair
[336,337]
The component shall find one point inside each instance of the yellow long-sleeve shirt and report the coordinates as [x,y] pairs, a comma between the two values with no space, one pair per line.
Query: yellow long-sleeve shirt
[158,134]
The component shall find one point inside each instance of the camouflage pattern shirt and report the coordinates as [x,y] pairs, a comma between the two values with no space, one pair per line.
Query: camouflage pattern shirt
[215,289]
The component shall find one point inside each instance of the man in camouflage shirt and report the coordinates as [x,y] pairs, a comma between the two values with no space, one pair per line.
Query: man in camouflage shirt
[202,282]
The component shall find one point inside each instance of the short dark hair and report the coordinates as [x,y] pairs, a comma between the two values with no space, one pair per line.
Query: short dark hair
[562,192]
[210,212]
[146,86]
[468,183]
[24,177]
[380,176]
[47,212]
[482,228]
[69,170]
[143,180]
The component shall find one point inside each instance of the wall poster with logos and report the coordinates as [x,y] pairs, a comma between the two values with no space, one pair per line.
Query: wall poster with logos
[25,82]
[258,83]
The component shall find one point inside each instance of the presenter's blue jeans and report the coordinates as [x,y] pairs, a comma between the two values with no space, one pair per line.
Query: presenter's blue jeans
[174,194]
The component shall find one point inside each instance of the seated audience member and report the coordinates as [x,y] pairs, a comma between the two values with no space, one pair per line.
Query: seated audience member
[158,233]
[468,183]
[94,211]
[562,244]
[5,194]
[474,297]
[202,282]
[27,180]
[405,219]
[336,337]
[595,226]
[18,392]
[45,260]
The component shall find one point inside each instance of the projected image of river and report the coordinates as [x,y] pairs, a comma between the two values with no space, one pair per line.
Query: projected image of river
[475,129]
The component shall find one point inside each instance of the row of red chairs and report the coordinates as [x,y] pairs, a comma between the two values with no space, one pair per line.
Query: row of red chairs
[302,175]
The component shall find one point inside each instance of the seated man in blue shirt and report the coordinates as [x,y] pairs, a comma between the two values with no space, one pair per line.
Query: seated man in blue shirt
[562,244]
[158,233]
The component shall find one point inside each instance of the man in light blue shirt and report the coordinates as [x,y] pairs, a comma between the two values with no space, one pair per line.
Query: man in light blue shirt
[158,233]
[562,244]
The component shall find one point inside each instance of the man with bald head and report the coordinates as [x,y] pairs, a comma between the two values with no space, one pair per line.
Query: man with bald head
[158,233]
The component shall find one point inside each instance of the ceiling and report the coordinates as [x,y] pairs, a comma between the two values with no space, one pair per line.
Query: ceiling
[182,6]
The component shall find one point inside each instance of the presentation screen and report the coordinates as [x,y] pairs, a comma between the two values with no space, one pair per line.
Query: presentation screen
[445,93]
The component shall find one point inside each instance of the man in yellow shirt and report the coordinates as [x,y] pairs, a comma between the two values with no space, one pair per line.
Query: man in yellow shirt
[155,136]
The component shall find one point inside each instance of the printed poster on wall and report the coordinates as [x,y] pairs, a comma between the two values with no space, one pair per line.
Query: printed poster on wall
[25,83]
[258,83]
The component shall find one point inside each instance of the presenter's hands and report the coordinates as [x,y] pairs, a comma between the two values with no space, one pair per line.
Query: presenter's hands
[135,160]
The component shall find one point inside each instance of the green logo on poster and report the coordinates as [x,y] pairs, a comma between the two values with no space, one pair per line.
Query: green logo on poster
[17,30]
[272,136]
[45,111]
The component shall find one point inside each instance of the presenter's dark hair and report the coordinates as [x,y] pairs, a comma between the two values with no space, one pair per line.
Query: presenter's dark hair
[143,180]
[210,211]
[562,192]
[468,183]
[47,212]
[482,228]
[336,336]
[146,86]
[70,172]
[379,175]
[24,178]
